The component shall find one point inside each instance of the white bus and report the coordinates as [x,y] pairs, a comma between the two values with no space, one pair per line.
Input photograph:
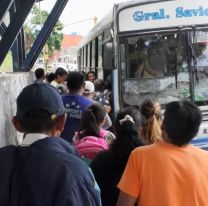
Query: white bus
[156,49]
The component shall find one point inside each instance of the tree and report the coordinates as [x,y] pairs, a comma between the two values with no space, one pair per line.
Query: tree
[34,25]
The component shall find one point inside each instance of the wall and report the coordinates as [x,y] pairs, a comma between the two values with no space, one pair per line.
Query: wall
[11,85]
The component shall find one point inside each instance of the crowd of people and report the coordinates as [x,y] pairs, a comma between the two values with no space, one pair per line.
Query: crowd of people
[74,154]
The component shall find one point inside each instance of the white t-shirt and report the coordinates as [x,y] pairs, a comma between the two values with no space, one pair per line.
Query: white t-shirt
[54,83]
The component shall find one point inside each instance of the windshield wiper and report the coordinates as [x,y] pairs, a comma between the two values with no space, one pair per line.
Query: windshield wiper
[194,58]
[177,57]
[192,68]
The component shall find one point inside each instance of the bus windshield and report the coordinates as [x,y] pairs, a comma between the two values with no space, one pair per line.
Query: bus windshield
[165,66]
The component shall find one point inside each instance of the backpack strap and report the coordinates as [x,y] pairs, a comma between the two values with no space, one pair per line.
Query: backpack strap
[107,135]
[90,146]
[103,133]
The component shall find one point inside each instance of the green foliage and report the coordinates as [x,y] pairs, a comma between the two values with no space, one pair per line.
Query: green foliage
[33,27]
[7,64]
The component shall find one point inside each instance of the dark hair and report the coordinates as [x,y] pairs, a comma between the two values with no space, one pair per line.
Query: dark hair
[39,73]
[62,89]
[37,121]
[90,72]
[135,63]
[85,75]
[50,77]
[75,81]
[108,82]
[181,122]
[141,44]
[148,108]
[60,72]
[127,137]
[151,131]
[99,85]
[94,115]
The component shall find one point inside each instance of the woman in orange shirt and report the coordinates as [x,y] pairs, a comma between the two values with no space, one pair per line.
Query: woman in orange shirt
[172,172]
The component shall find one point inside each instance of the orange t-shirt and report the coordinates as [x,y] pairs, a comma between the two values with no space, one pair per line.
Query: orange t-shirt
[166,175]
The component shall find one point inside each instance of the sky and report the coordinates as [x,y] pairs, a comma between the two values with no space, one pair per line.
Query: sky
[81,10]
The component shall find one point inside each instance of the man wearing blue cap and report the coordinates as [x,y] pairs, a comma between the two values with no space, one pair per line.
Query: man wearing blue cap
[44,170]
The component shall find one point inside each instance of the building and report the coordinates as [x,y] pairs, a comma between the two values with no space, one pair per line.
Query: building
[67,57]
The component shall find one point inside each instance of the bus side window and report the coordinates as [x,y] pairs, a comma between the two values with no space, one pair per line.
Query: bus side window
[100,74]
[93,55]
[89,55]
[108,56]
[100,41]
[123,60]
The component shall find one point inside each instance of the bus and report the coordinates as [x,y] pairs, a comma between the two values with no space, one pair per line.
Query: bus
[152,49]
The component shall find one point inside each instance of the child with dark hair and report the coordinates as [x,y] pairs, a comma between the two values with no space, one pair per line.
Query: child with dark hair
[60,77]
[40,75]
[50,77]
[91,133]
[109,165]
[151,131]
[93,120]
[172,172]
[59,81]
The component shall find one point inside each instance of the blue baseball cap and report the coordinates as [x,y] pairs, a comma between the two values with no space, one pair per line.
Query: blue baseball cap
[40,96]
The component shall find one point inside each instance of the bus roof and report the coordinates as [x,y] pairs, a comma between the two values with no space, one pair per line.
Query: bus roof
[107,20]
[126,4]
[147,15]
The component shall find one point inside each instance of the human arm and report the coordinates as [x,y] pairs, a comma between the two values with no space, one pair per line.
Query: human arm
[85,192]
[77,185]
[148,70]
[130,183]
[108,122]
[125,200]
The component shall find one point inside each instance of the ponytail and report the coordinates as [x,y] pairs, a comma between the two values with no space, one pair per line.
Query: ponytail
[128,134]
[89,126]
[92,119]
[126,127]
[151,131]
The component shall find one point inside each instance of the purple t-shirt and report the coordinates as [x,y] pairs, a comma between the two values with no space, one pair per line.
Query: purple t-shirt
[75,106]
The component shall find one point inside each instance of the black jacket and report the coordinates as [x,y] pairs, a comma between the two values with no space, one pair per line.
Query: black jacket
[47,173]
[107,171]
